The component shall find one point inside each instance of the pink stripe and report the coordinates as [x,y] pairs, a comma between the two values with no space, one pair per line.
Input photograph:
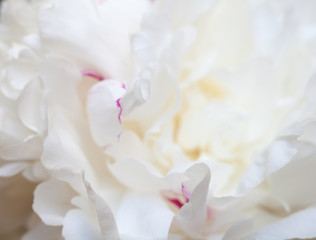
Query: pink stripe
[118,104]
[175,202]
[186,193]
[208,212]
[106,147]
[92,74]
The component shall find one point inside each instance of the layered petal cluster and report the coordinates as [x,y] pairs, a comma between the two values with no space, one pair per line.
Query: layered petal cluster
[162,119]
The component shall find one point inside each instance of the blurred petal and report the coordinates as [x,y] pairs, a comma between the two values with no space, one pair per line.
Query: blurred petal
[50,233]
[11,169]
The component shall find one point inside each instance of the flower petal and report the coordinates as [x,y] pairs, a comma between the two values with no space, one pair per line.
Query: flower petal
[192,217]
[132,172]
[77,227]
[11,169]
[105,216]
[108,51]
[29,148]
[104,111]
[31,106]
[298,225]
[276,156]
[143,216]
[52,201]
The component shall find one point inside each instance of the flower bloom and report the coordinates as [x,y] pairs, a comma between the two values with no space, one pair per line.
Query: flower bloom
[160,119]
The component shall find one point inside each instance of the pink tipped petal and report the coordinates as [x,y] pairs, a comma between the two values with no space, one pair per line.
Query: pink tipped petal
[104,111]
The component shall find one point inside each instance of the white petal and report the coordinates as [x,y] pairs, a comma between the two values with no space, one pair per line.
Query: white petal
[30,105]
[77,227]
[36,172]
[133,147]
[29,148]
[192,217]
[61,78]
[186,12]
[52,201]
[104,111]
[276,156]
[62,162]
[10,123]
[132,173]
[162,98]
[88,36]
[238,230]
[10,169]
[293,183]
[143,216]
[298,225]
[105,216]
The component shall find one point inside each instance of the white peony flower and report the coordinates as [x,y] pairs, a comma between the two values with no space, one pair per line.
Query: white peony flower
[158,119]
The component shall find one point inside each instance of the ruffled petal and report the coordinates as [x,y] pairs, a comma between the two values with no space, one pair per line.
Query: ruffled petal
[108,51]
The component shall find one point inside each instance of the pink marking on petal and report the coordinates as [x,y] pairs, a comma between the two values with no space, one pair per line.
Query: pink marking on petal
[106,147]
[208,212]
[175,202]
[123,86]
[118,104]
[90,73]
[186,194]
[119,136]
[178,199]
